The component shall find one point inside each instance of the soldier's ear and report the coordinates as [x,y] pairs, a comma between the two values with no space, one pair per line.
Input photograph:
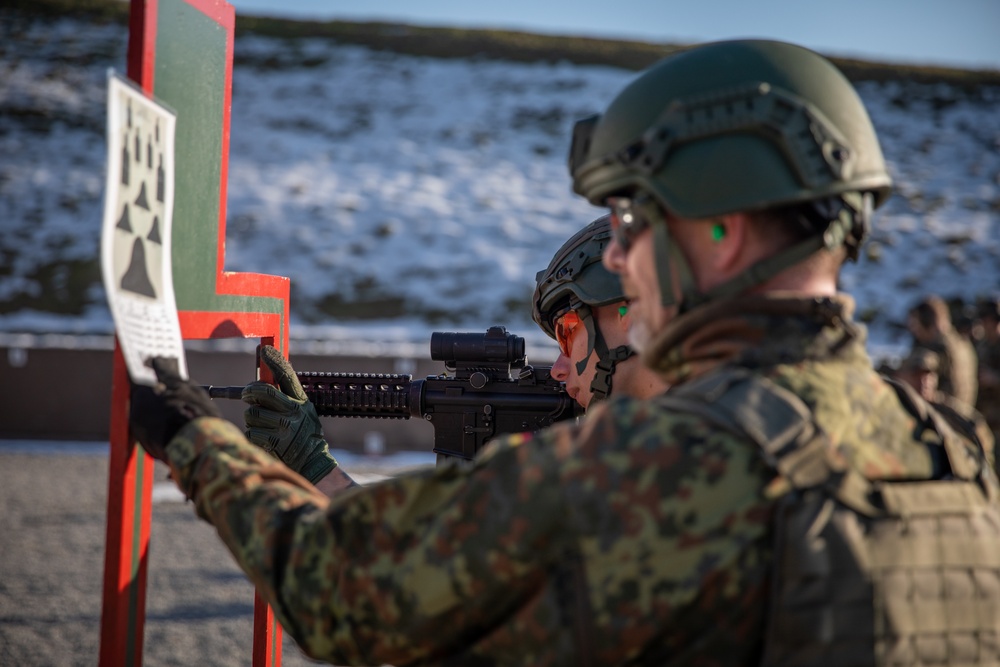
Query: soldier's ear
[728,237]
[624,318]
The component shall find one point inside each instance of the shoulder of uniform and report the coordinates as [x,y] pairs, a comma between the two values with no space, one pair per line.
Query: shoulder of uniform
[661,415]
[730,399]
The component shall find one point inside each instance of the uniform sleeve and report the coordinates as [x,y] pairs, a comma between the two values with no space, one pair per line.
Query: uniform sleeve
[409,569]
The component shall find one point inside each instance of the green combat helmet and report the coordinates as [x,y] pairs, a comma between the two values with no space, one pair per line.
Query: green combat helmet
[576,279]
[737,126]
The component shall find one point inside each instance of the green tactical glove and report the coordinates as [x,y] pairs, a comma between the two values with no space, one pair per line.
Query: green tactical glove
[284,423]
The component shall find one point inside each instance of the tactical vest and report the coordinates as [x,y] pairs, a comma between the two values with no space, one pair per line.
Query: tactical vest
[867,572]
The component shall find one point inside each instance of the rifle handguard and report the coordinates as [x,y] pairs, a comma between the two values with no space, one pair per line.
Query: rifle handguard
[370,395]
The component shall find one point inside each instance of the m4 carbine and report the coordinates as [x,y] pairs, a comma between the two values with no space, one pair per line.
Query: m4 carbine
[477,400]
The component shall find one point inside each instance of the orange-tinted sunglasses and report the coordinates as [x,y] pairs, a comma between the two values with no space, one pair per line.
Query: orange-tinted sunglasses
[566,325]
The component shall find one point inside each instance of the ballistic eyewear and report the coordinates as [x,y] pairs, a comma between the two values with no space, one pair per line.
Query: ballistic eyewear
[629,218]
[566,326]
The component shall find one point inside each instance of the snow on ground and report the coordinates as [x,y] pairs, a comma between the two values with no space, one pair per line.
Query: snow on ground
[404,195]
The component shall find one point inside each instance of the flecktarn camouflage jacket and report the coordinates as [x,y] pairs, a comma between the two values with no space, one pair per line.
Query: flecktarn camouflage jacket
[641,536]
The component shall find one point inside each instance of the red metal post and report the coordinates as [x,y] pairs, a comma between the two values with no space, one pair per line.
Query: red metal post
[130,482]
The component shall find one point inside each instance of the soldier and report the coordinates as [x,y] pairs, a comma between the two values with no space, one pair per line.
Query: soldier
[779,504]
[920,371]
[580,304]
[929,321]
[988,350]
[576,301]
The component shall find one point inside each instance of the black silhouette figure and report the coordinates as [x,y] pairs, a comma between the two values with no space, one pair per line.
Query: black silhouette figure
[123,222]
[154,232]
[160,176]
[141,201]
[136,279]
[125,162]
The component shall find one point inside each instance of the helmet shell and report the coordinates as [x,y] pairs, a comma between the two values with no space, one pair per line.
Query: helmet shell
[576,276]
[732,126]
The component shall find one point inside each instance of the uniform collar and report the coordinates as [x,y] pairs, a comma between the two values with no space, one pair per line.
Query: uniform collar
[755,331]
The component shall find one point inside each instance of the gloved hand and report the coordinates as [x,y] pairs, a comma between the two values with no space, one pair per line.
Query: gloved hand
[284,423]
[157,413]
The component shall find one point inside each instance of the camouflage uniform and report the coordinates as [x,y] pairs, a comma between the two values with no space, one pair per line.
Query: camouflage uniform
[641,536]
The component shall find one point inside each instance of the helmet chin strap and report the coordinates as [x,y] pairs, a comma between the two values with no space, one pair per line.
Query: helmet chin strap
[841,221]
[668,254]
[606,364]
[607,360]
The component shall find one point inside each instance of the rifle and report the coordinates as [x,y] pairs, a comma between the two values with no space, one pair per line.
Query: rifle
[477,402]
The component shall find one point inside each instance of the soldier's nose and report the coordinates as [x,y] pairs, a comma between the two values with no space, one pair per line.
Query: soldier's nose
[560,369]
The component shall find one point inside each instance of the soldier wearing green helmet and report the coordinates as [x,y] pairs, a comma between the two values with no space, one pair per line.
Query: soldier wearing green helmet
[580,304]
[779,504]
[741,176]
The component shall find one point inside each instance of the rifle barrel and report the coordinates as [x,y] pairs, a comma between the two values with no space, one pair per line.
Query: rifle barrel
[232,393]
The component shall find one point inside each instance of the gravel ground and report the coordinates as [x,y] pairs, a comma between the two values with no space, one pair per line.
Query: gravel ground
[199,607]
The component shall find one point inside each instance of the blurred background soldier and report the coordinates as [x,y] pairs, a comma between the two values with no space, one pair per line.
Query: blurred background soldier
[929,322]
[580,304]
[920,371]
[988,348]
[963,317]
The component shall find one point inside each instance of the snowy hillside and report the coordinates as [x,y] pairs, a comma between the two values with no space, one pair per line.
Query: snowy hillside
[404,194]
